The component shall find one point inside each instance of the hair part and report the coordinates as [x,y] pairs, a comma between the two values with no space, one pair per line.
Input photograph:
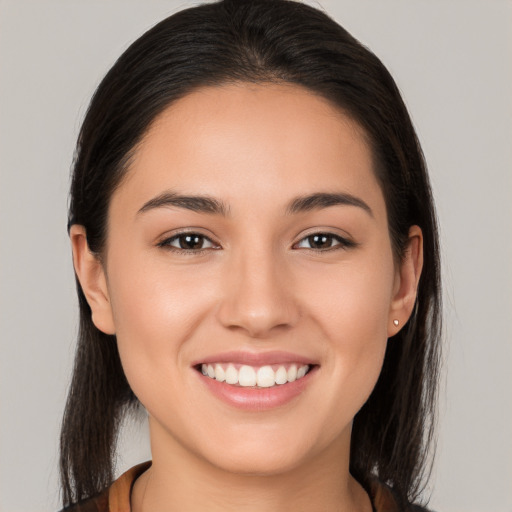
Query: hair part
[257,41]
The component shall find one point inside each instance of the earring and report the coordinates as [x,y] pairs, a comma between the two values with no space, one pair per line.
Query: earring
[396,322]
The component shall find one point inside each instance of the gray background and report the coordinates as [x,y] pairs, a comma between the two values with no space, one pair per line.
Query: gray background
[452,61]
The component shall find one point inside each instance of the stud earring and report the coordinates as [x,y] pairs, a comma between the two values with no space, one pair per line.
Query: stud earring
[396,322]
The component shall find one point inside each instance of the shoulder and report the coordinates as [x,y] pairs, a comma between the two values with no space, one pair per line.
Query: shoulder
[384,499]
[97,503]
[114,499]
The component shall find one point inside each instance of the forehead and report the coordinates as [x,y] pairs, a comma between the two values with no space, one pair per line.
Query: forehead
[252,140]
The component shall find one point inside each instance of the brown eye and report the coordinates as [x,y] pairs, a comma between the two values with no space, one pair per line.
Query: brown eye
[188,242]
[324,242]
[320,241]
[191,241]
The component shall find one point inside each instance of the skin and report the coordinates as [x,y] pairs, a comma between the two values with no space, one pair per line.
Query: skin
[258,286]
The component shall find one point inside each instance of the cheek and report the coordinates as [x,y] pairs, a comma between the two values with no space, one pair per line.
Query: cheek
[352,302]
[351,306]
[155,312]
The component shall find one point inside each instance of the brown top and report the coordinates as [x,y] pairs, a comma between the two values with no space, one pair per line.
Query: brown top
[117,497]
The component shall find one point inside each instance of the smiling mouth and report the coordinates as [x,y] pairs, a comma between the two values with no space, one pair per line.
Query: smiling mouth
[267,376]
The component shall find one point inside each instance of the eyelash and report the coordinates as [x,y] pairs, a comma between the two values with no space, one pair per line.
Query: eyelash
[342,243]
[166,244]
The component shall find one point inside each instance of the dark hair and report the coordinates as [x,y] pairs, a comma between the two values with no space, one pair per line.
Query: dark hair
[258,41]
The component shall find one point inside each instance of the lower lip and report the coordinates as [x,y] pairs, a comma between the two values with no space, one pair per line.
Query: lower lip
[258,399]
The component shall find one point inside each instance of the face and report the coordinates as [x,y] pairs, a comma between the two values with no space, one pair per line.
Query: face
[249,277]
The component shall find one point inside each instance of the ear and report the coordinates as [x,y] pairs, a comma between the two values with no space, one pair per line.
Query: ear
[406,282]
[91,275]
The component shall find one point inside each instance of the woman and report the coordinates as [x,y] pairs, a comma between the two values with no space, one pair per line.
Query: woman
[256,254]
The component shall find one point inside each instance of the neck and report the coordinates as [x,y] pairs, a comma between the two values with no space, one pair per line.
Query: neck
[178,480]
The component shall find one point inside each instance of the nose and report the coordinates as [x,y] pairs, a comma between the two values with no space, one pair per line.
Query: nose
[258,296]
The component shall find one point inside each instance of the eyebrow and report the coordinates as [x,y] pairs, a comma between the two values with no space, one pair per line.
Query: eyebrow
[211,205]
[321,200]
[200,204]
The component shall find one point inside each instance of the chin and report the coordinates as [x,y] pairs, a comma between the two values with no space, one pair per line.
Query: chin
[259,463]
[257,452]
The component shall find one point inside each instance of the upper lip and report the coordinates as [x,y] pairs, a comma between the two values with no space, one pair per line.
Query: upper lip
[255,358]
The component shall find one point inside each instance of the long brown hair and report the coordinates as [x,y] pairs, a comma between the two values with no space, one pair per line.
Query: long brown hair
[257,41]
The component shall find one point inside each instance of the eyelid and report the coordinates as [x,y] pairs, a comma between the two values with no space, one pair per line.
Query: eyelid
[164,241]
[344,241]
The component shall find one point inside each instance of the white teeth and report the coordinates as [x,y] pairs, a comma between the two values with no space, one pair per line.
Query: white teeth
[247,376]
[220,374]
[301,372]
[266,377]
[231,375]
[292,373]
[281,375]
